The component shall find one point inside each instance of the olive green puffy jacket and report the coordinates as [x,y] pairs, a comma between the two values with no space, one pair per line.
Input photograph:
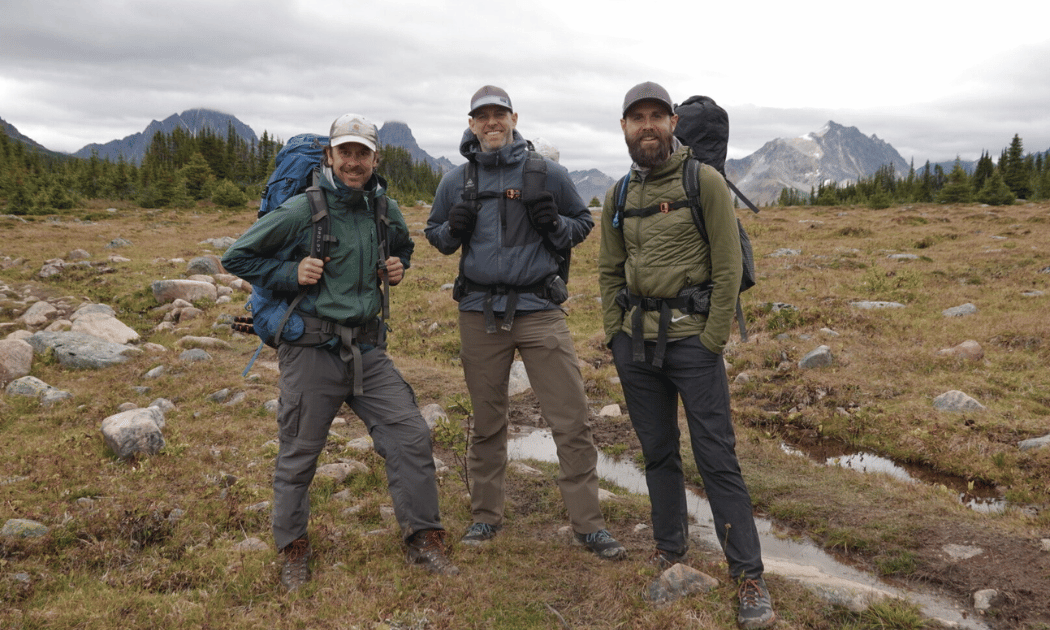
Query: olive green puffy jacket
[659,255]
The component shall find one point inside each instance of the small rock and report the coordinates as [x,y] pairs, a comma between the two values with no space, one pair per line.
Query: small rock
[677,582]
[969,349]
[251,544]
[1034,443]
[874,305]
[23,528]
[956,401]
[194,355]
[432,414]
[610,411]
[959,311]
[820,357]
[984,598]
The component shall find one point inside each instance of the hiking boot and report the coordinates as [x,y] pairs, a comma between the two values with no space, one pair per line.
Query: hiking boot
[427,549]
[296,569]
[664,560]
[602,544]
[756,610]
[478,533]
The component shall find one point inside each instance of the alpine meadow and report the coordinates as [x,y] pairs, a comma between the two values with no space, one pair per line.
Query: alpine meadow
[904,330]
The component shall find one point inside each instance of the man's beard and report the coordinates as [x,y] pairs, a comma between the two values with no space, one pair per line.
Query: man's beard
[652,156]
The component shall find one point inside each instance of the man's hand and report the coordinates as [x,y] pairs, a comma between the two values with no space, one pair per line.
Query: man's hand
[311,270]
[394,270]
[542,212]
[461,219]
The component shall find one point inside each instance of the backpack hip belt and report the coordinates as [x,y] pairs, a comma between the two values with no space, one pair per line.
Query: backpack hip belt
[692,300]
[552,289]
[319,331]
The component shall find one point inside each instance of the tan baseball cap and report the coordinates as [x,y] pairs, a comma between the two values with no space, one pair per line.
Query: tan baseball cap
[354,128]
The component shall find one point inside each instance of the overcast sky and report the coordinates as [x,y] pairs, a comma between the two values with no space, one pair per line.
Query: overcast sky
[934,79]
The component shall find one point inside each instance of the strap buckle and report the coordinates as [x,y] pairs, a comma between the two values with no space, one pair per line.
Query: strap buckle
[665,207]
[513,193]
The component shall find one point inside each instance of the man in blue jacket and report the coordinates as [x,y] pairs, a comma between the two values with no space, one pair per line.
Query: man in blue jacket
[509,291]
[339,349]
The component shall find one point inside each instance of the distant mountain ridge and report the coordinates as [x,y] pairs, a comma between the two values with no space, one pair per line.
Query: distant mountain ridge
[13,133]
[834,153]
[133,147]
[398,134]
[591,184]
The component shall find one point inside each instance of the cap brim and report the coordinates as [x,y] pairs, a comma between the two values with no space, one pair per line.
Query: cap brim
[358,139]
[490,100]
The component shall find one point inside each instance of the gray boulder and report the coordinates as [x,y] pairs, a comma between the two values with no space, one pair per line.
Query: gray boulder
[960,311]
[134,432]
[16,359]
[23,528]
[80,350]
[204,265]
[165,291]
[1034,443]
[821,357]
[104,326]
[956,401]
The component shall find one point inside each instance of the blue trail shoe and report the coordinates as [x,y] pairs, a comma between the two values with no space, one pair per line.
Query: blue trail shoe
[602,544]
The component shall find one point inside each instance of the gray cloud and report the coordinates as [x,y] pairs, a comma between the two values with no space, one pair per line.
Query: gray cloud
[74,73]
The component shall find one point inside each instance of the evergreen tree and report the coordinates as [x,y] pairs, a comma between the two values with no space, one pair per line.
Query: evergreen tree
[957,189]
[995,192]
[196,175]
[1013,169]
[924,190]
[983,170]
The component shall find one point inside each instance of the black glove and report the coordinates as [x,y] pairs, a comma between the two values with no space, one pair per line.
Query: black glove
[542,212]
[461,219]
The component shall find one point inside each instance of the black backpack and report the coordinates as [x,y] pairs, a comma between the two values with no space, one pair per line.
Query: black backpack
[703,126]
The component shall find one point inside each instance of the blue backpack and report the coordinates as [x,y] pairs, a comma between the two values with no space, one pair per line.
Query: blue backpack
[294,170]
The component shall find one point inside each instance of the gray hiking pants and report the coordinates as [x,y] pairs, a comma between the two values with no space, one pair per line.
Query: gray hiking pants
[314,384]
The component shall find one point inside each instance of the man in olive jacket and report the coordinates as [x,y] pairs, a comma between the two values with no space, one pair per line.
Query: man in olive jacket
[668,300]
[339,351]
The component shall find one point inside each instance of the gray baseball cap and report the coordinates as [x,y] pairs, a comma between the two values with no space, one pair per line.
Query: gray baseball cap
[490,95]
[647,91]
[354,128]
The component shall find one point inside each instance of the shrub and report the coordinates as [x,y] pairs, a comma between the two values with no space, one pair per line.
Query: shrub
[228,195]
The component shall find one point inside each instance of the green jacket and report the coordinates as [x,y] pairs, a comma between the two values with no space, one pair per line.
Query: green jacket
[659,255]
[268,254]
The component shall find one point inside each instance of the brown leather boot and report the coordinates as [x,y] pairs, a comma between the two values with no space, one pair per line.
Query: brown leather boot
[296,569]
[426,549]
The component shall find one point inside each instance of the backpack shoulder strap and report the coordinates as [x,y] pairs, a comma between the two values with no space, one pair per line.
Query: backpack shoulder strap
[319,242]
[620,200]
[382,230]
[691,184]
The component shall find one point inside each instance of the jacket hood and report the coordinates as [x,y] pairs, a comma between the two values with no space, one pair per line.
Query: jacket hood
[470,148]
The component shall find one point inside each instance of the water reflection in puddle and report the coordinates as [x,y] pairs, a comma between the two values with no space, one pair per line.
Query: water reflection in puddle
[780,553]
[984,500]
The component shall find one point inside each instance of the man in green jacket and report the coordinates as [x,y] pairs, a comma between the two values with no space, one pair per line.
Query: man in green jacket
[340,348]
[668,300]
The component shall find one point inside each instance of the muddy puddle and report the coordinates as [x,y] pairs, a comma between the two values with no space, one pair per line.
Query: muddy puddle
[980,499]
[783,553]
